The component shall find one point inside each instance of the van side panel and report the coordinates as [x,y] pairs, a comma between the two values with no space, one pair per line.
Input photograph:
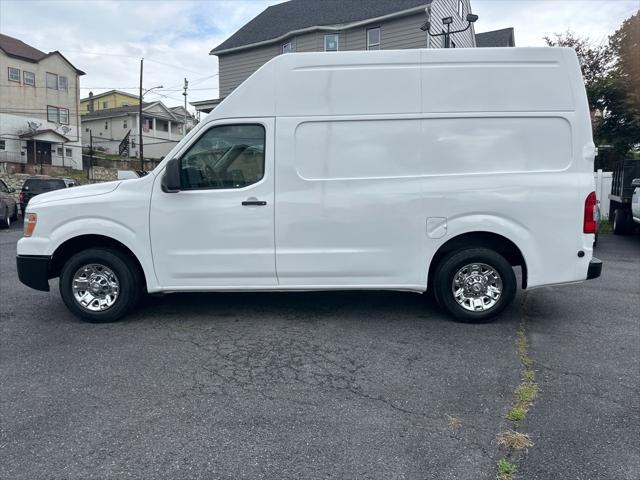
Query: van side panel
[495,146]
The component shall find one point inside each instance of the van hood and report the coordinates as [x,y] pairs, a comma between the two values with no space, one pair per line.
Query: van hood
[75,192]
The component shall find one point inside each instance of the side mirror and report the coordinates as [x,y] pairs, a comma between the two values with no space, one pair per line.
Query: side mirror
[635,182]
[171,178]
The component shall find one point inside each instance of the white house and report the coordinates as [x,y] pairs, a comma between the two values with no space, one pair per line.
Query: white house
[115,130]
[39,102]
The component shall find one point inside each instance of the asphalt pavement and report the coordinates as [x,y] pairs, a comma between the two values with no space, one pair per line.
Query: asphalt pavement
[347,385]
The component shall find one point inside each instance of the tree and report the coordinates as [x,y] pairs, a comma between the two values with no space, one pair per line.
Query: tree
[620,94]
[612,79]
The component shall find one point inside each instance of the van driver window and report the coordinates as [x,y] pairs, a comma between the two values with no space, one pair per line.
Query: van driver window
[228,156]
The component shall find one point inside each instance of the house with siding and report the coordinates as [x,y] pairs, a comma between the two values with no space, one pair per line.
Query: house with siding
[39,102]
[331,26]
[115,130]
[106,100]
[505,37]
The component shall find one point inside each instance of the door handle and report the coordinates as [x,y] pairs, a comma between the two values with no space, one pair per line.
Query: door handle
[254,201]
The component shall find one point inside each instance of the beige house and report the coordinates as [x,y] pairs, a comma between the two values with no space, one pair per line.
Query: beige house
[39,102]
[115,130]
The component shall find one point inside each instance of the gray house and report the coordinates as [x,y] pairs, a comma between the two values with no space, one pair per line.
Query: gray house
[333,25]
[504,37]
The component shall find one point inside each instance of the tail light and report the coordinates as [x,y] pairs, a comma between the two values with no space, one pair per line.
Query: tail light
[21,197]
[589,225]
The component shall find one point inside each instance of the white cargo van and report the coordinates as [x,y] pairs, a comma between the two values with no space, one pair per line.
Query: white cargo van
[396,170]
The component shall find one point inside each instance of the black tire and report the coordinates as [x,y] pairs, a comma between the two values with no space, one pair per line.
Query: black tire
[127,275]
[619,221]
[14,217]
[5,219]
[449,267]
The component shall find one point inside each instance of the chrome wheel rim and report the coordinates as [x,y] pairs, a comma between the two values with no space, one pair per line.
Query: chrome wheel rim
[477,287]
[95,287]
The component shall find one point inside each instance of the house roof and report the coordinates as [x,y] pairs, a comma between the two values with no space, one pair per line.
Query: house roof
[46,134]
[283,19]
[504,37]
[125,111]
[18,49]
[110,92]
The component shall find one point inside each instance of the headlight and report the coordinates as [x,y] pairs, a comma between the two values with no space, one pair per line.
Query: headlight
[30,224]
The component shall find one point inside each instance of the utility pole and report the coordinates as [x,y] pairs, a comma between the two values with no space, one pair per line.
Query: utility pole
[140,148]
[186,85]
[90,154]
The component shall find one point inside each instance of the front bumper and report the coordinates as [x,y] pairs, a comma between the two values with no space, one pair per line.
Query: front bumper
[595,268]
[33,271]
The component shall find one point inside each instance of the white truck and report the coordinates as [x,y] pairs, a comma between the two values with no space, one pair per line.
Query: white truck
[385,170]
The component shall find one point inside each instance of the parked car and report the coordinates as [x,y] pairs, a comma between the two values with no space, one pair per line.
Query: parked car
[8,205]
[70,182]
[314,174]
[620,198]
[635,200]
[37,185]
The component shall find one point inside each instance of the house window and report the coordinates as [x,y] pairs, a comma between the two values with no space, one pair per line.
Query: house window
[68,153]
[331,43]
[106,125]
[373,39]
[14,74]
[460,8]
[63,116]
[52,81]
[3,145]
[287,48]
[63,83]
[105,105]
[124,124]
[29,78]
[59,151]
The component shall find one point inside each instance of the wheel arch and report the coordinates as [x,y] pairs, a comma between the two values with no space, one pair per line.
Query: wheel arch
[480,239]
[73,245]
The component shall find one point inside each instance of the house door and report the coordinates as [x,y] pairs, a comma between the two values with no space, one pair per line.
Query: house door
[38,152]
[43,153]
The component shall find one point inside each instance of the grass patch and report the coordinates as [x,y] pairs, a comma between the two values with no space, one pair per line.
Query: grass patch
[506,469]
[517,414]
[515,440]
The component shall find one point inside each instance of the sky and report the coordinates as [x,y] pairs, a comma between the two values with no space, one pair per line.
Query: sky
[107,38]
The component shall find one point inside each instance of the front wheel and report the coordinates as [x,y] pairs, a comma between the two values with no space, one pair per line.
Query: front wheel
[619,222]
[474,285]
[99,285]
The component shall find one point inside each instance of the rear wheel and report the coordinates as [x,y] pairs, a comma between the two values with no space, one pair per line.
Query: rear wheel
[5,221]
[619,221]
[474,285]
[99,285]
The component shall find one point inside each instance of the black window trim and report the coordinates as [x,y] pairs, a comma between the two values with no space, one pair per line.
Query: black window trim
[202,134]
[9,74]
[46,80]
[58,109]
[24,72]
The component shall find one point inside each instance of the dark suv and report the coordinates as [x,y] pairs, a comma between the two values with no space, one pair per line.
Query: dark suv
[36,185]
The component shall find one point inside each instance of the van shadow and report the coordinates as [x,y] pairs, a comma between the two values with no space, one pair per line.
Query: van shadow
[359,306]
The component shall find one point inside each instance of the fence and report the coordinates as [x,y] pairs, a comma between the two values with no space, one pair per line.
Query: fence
[603,188]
